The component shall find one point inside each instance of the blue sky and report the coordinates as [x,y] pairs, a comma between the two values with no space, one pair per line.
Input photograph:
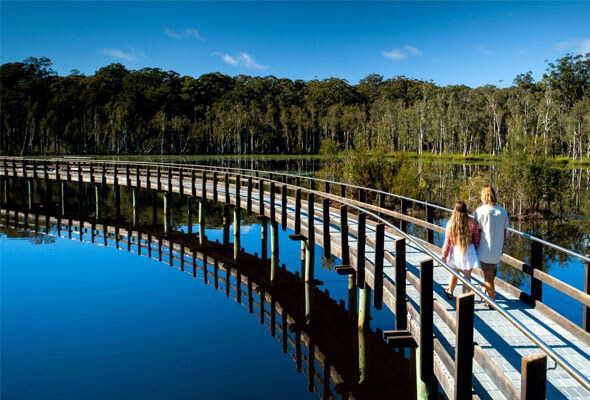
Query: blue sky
[447,42]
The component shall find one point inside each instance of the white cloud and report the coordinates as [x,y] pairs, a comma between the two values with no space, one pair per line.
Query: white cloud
[188,32]
[484,50]
[128,56]
[193,32]
[581,46]
[413,51]
[400,54]
[171,33]
[394,55]
[240,59]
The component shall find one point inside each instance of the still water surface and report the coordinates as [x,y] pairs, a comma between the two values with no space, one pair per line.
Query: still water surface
[81,320]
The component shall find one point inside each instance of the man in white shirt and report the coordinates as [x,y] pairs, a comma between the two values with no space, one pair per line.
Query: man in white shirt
[493,223]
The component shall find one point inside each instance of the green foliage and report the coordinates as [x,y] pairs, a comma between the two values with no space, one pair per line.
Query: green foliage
[151,111]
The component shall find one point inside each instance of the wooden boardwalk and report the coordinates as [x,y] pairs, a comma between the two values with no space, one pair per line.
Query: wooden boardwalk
[499,346]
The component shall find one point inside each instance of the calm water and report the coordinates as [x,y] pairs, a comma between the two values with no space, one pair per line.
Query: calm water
[81,320]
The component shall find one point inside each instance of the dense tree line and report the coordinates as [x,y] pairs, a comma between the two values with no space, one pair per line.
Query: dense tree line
[150,111]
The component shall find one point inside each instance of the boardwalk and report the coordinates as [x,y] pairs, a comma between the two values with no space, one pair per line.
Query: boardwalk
[499,345]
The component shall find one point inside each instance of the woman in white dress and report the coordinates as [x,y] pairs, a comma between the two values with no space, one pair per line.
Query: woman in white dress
[460,248]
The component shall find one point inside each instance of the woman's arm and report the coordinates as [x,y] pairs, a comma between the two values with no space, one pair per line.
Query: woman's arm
[475,234]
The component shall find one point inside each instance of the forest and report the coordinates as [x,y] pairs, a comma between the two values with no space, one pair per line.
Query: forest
[149,111]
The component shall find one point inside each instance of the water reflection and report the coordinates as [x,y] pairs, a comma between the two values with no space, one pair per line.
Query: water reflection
[319,334]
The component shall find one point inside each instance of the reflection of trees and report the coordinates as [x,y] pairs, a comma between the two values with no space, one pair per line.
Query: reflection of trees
[35,238]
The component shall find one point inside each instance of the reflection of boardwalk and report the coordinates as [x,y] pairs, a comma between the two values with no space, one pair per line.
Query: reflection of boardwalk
[499,345]
[325,350]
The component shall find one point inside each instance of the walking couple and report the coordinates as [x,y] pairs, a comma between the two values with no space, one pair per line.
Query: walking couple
[476,242]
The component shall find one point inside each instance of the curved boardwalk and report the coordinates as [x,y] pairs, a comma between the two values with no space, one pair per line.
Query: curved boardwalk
[499,346]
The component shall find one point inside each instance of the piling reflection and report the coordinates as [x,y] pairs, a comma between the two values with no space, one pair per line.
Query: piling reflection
[321,335]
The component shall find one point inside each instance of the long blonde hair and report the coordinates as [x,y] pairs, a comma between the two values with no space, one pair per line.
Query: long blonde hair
[488,195]
[459,228]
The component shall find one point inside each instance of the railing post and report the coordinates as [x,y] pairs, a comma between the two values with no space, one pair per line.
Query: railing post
[272,202]
[159,178]
[193,186]
[310,244]
[148,174]
[284,207]
[138,179]
[115,178]
[360,260]
[344,234]
[226,187]
[249,196]
[379,250]
[204,186]
[261,197]
[169,179]
[327,188]
[127,177]
[533,377]
[90,170]
[342,191]
[298,211]
[45,176]
[401,307]
[215,187]
[404,224]
[326,228]
[430,220]
[586,317]
[104,173]
[464,346]
[362,196]
[536,263]
[180,181]
[426,328]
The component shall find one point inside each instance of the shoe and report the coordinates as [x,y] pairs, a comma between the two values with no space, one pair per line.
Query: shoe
[448,294]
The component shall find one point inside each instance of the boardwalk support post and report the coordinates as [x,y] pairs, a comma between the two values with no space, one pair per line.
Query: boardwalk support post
[426,327]
[189,212]
[464,346]
[98,201]
[352,296]
[264,238]
[360,252]
[344,234]
[30,193]
[586,317]
[297,211]
[166,211]
[310,244]
[64,197]
[284,208]
[533,377]
[326,228]
[379,252]
[134,195]
[364,307]
[401,307]
[536,263]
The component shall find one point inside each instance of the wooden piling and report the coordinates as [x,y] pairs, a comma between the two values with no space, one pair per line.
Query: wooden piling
[586,312]
[226,187]
[326,227]
[426,325]
[364,307]
[352,296]
[533,377]
[261,197]
[297,227]
[536,263]
[361,241]
[344,234]
[249,196]
[464,347]
[236,233]
[215,187]
[401,307]
[308,288]
[379,253]
[310,243]
[284,207]
[204,186]
[201,217]
[264,239]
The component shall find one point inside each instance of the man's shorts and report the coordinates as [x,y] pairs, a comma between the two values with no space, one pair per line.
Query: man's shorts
[489,269]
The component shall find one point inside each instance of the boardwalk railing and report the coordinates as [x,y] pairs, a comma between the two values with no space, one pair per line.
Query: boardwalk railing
[289,188]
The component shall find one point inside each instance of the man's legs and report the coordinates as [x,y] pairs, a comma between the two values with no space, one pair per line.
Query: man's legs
[489,273]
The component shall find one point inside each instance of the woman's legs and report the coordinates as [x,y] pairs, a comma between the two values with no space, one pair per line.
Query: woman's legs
[452,282]
[467,275]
